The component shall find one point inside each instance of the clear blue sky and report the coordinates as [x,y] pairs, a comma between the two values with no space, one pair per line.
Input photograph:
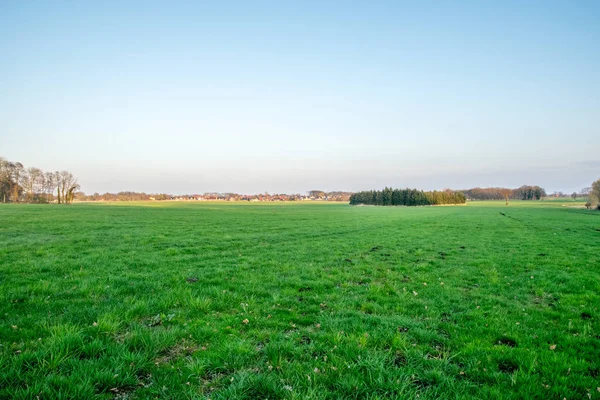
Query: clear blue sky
[253,96]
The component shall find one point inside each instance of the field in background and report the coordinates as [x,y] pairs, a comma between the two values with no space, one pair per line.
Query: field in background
[178,300]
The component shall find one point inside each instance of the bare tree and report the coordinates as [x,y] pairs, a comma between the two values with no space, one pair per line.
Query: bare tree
[506,194]
[32,182]
[25,184]
[57,183]
[17,172]
[49,185]
[5,186]
[67,187]
[585,192]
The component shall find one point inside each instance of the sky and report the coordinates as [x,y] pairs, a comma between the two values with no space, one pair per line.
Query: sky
[278,96]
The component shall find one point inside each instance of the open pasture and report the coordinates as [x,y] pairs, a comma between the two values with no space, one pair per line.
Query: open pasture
[227,301]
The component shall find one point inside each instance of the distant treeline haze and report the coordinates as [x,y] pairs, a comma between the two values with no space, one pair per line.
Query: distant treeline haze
[19,184]
[525,192]
[32,185]
[406,197]
[134,196]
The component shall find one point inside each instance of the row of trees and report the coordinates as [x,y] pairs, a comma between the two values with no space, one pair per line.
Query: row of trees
[32,185]
[524,192]
[141,196]
[406,197]
[122,196]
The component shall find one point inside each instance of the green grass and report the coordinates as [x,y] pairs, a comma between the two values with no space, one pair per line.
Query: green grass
[150,300]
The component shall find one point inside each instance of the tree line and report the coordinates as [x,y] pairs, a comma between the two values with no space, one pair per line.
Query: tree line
[32,185]
[524,192]
[406,197]
[141,196]
[122,196]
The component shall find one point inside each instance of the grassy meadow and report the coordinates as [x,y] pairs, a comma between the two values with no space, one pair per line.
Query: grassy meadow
[299,301]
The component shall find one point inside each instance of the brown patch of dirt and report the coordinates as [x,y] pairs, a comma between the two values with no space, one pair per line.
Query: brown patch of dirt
[184,348]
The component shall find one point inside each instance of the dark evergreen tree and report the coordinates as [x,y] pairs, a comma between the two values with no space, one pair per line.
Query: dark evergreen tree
[406,197]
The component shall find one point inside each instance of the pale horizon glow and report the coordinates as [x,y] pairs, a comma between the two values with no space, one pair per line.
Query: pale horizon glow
[254,97]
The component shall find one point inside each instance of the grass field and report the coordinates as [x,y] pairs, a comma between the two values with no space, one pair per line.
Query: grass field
[227,301]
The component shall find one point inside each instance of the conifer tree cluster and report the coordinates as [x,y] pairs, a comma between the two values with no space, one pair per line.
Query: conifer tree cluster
[406,197]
